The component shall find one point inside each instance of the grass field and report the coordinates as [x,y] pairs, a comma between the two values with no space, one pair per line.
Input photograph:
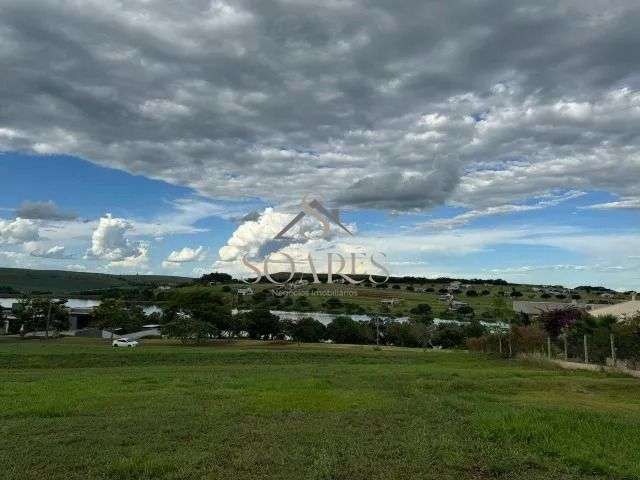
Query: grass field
[76,409]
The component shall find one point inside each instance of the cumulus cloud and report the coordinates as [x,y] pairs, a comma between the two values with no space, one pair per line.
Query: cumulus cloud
[257,237]
[43,211]
[185,255]
[18,231]
[139,260]
[237,99]
[109,242]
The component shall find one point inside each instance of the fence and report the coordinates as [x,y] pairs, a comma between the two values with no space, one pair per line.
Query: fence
[599,347]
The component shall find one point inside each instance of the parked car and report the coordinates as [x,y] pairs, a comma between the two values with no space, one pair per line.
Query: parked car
[124,342]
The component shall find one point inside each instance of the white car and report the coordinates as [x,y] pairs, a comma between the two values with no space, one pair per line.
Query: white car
[124,342]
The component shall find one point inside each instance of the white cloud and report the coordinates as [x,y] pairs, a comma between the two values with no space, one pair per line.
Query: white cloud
[108,242]
[256,237]
[185,255]
[18,231]
[76,267]
[56,252]
[139,260]
[623,203]
[469,216]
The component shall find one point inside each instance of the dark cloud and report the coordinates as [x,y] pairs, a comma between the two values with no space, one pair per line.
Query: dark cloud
[43,211]
[399,191]
[273,99]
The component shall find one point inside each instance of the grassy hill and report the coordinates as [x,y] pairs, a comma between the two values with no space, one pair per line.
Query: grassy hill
[64,282]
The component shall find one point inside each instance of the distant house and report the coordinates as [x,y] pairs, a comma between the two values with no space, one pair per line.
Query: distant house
[420,290]
[301,283]
[620,310]
[447,297]
[454,286]
[390,301]
[607,295]
[245,291]
[164,288]
[456,305]
[79,317]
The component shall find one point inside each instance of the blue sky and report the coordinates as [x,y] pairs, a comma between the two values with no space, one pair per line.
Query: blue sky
[537,246]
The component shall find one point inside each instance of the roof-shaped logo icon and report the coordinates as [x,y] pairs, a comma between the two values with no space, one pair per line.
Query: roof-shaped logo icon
[317,210]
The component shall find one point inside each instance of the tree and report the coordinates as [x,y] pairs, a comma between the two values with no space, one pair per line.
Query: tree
[308,330]
[474,329]
[345,330]
[465,311]
[449,336]
[110,314]
[189,329]
[558,321]
[501,309]
[422,313]
[261,324]
[42,314]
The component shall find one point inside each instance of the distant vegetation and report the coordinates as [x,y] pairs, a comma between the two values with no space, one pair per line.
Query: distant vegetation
[14,281]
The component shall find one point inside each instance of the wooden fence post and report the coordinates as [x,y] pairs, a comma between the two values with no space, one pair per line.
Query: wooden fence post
[566,349]
[586,349]
[549,347]
[613,348]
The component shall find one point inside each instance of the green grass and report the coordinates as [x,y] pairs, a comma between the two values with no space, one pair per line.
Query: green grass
[79,409]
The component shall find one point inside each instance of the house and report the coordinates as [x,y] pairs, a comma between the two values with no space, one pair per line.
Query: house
[456,305]
[420,290]
[390,301]
[447,297]
[245,291]
[301,283]
[454,286]
[607,295]
[621,310]
[79,317]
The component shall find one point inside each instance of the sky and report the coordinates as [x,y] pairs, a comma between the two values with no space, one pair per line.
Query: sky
[485,139]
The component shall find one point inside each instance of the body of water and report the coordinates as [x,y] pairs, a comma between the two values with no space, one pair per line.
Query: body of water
[79,303]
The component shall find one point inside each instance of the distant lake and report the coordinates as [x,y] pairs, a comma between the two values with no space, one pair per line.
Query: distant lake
[79,303]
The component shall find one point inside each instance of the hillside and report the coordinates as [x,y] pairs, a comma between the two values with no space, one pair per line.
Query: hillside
[64,282]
